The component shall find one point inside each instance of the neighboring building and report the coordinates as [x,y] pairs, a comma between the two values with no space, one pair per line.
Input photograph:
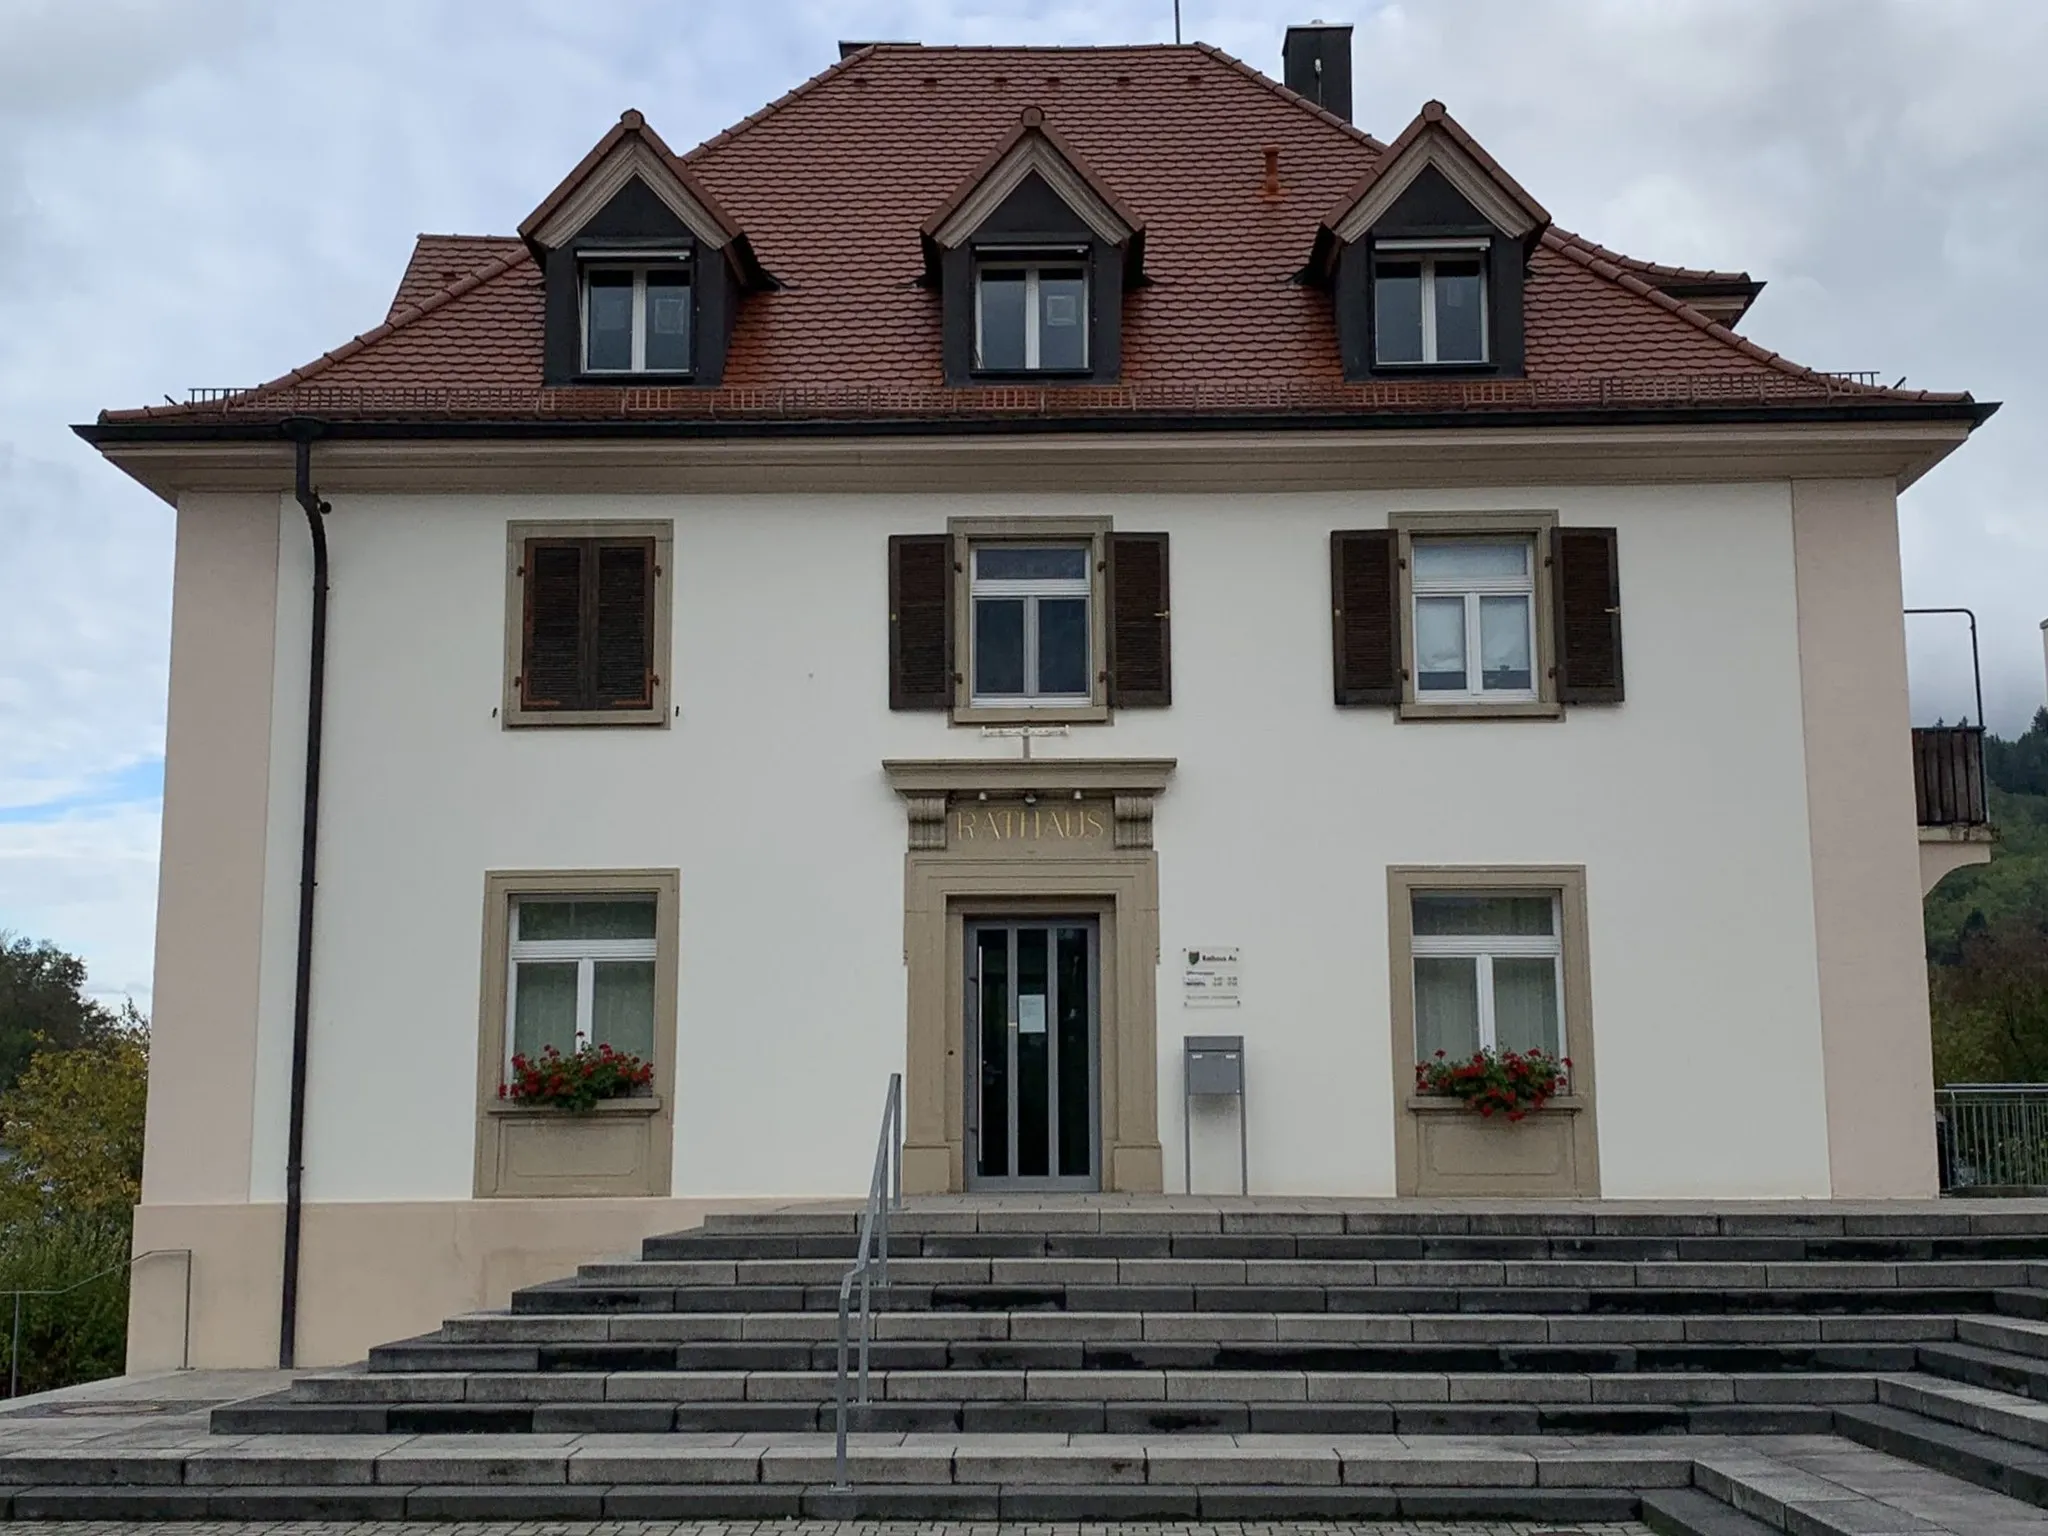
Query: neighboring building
[886,589]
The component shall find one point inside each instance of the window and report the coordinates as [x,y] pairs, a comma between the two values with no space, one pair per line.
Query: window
[582,974]
[577,957]
[1032,629]
[636,319]
[1429,303]
[587,613]
[1030,317]
[1489,972]
[1474,618]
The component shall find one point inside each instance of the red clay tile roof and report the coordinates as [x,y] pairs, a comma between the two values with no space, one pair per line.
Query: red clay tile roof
[832,181]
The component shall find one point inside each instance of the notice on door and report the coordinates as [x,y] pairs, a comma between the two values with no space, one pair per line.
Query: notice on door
[1211,977]
[1030,1013]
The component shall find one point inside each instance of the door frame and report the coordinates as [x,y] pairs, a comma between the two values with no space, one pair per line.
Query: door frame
[1009,921]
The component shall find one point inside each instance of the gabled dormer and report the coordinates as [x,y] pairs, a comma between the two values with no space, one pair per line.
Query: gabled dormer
[1031,256]
[1426,256]
[643,271]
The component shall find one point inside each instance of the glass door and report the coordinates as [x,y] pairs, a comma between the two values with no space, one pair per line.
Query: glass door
[1031,1059]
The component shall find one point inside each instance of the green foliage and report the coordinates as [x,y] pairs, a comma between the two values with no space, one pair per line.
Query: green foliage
[72,1129]
[1987,931]
[81,1335]
[43,1005]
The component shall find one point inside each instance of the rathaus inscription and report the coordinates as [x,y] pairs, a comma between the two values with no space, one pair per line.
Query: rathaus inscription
[1069,823]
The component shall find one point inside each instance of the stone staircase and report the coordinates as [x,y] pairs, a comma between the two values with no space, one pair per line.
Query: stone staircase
[1822,1371]
[1100,1319]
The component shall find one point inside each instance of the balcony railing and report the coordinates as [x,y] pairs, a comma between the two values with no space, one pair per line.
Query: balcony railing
[1992,1136]
[1948,775]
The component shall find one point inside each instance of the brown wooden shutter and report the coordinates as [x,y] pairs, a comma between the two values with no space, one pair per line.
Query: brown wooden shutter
[920,621]
[1140,622]
[1366,623]
[551,669]
[1586,598]
[622,644]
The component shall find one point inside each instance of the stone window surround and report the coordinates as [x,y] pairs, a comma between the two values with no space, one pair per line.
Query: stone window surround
[942,887]
[966,533]
[1533,525]
[1568,883]
[662,531]
[641,1128]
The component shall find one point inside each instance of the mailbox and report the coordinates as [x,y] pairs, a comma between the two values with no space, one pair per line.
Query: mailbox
[1212,1066]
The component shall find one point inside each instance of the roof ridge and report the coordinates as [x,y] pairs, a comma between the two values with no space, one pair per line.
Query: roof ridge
[398,320]
[1287,94]
[1630,282]
[428,234]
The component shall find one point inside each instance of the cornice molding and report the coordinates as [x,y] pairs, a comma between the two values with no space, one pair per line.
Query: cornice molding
[923,777]
[1181,462]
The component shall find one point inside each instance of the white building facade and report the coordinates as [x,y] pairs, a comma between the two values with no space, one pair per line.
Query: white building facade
[1678,847]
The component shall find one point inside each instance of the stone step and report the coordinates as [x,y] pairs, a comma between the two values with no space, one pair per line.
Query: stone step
[1689,1512]
[699,1244]
[1831,1489]
[1546,1274]
[2016,1470]
[1983,1409]
[1441,1295]
[1261,1216]
[1027,1419]
[2000,1370]
[1314,1327]
[1793,1384]
[2015,1336]
[1081,1356]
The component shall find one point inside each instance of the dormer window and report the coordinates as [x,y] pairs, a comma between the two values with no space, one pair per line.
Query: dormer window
[1031,316]
[1429,302]
[636,317]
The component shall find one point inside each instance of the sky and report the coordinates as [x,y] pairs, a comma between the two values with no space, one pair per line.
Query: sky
[210,192]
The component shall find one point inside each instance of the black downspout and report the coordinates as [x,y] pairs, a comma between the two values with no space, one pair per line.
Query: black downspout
[302,434]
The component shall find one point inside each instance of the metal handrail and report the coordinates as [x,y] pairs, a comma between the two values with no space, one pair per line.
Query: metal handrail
[185,1353]
[885,1193]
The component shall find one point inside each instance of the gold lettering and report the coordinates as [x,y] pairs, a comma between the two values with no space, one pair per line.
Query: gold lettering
[1091,821]
[963,825]
[1059,823]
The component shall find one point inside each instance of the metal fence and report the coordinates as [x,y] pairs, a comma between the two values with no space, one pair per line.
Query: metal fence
[1992,1136]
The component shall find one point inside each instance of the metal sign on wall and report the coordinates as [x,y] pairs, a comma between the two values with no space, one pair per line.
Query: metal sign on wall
[1211,977]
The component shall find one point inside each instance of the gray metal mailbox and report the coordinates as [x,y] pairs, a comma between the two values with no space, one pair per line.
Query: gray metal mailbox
[1212,1066]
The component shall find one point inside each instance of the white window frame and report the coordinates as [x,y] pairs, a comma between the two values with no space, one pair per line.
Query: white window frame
[664,262]
[1031,269]
[1031,590]
[1472,589]
[1485,949]
[1427,253]
[585,952]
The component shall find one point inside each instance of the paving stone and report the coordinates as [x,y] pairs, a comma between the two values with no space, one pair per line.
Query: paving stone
[898,1465]
[1333,1502]
[955,1386]
[1426,1464]
[539,1386]
[1591,1505]
[1805,1387]
[1236,1327]
[1663,1387]
[1311,1272]
[1440,1274]
[1831,1276]
[1519,1387]
[1344,1328]
[1115,1502]
[923,1503]
[1494,1328]
[383,1387]
[1085,1327]
[667,1273]
[1053,1271]
[322,1464]
[465,1502]
[492,1465]
[1594,1466]
[86,1466]
[1236,1386]
[130,1502]
[305,1504]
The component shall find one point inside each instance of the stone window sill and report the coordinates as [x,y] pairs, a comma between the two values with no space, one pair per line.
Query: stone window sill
[1444,1104]
[1052,714]
[1528,709]
[634,1104]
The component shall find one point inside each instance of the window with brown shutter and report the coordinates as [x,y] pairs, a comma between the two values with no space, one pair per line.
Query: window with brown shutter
[920,621]
[1031,635]
[588,630]
[1140,622]
[1365,619]
[1586,585]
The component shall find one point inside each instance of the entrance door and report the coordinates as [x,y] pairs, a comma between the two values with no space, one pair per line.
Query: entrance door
[1031,1056]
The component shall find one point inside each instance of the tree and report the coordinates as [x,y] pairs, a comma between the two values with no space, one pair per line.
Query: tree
[43,1005]
[72,1128]
[1991,1007]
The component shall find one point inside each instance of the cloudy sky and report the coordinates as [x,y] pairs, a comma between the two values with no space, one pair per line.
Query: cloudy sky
[208,192]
